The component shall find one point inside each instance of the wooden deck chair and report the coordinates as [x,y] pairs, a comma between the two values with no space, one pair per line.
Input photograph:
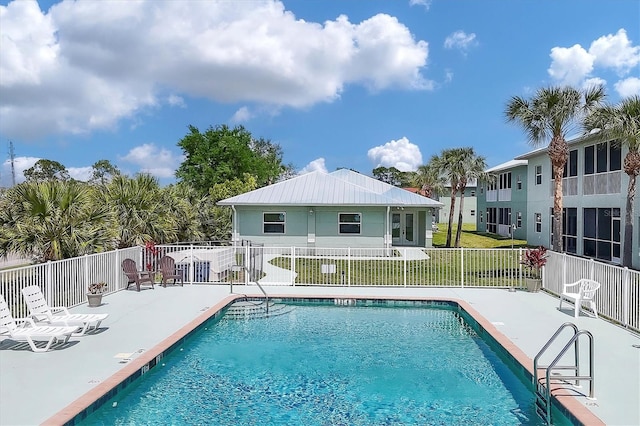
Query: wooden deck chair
[134,276]
[41,312]
[581,292]
[168,269]
[25,330]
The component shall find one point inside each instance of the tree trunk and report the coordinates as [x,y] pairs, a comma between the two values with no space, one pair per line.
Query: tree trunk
[631,168]
[454,190]
[558,153]
[557,208]
[459,230]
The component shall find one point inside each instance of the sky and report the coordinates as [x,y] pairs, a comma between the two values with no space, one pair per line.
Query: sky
[335,83]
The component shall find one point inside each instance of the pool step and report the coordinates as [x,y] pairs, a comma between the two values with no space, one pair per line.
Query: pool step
[255,310]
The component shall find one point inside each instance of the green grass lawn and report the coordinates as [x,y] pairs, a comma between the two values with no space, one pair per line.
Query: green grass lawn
[470,238]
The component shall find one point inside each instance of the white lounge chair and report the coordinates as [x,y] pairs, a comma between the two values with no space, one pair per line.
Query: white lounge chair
[581,292]
[41,312]
[25,330]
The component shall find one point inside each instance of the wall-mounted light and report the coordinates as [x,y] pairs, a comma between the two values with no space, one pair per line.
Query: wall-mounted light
[310,211]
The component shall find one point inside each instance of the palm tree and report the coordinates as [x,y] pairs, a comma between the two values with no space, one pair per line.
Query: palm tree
[53,220]
[139,211]
[473,168]
[185,205]
[449,165]
[622,124]
[430,182]
[552,113]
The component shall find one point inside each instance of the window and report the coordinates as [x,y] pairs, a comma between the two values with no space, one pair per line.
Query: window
[519,182]
[473,193]
[519,220]
[570,229]
[273,223]
[349,223]
[497,216]
[571,168]
[538,222]
[602,158]
[538,175]
[491,220]
[472,213]
[505,180]
[602,233]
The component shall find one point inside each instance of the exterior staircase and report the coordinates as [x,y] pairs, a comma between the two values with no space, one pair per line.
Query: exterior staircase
[255,309]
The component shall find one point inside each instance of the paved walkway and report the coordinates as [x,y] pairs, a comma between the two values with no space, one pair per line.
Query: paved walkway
[34,387]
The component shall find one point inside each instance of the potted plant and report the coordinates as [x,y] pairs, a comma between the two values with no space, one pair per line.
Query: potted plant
[94,294]
[533,260]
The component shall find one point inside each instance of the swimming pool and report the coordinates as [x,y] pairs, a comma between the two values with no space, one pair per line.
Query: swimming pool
[323,364]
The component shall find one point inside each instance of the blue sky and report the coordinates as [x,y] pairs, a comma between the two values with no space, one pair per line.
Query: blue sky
[335,83]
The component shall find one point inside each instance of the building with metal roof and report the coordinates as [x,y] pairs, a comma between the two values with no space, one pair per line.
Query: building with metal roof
[339,209]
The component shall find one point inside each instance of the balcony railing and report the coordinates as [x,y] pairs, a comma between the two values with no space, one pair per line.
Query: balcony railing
[64,282]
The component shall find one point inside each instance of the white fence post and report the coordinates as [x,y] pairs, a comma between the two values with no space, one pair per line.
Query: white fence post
[405,266]
[461,267]
[247,261]
[625,296]
[49,281]
[192,266]
[293,266]
[348,266]
[86,272]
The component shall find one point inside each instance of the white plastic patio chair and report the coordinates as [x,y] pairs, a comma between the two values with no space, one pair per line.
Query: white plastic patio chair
[25,330]
[581,292]
[41,312]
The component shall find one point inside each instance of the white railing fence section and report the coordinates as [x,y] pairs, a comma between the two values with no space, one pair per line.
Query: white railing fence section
[619,295]
[65,282]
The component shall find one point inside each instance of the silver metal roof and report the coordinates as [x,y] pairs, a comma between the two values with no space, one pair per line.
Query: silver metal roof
[508,165]
[342,187]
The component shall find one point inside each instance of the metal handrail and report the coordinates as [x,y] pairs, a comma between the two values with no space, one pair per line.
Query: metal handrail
[266,296]
[574,340]
[546,346]
[577,377]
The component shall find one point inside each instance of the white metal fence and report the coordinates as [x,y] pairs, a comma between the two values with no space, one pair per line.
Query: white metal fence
[618,297]
[64,282]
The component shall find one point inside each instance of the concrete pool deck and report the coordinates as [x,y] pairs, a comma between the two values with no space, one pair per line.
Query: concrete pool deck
[38,388]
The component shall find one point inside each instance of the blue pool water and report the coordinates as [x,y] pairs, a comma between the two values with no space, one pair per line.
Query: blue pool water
[327,365]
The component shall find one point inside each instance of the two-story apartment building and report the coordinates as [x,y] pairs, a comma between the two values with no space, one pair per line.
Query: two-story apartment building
[594,199]
[469,210]
[502,201]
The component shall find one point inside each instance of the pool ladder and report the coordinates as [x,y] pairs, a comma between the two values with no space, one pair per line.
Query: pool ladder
[542,384]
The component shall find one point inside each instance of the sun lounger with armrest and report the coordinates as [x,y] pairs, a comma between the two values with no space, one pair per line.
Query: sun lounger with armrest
[25,330]
[41,312]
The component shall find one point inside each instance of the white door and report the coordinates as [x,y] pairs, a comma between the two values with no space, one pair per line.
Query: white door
[403,229]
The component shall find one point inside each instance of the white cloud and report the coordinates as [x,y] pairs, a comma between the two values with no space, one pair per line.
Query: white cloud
[242,115]
[570,65]
[615,51]
[628,87]
[83,66]
[161,163]
[316,165]
[460,40]
[401,154]
[577,66]
[20,164]
[424,3]
[448,76]
[80,173]
[177,101]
